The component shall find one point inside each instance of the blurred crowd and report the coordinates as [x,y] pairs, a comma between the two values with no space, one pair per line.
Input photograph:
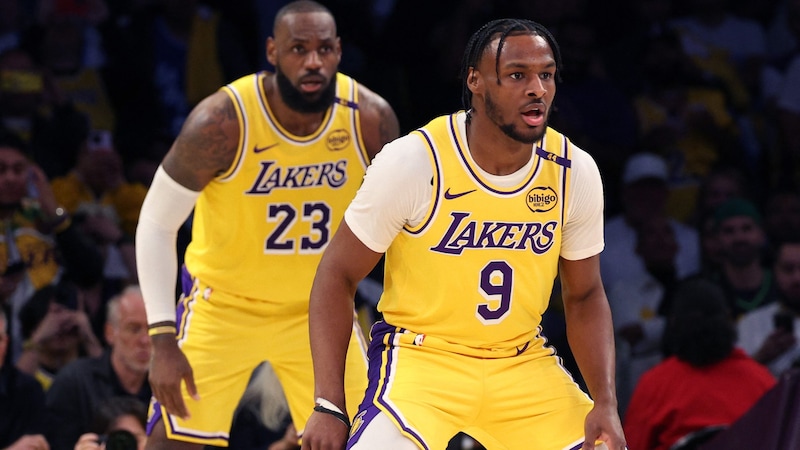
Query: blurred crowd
[690,108]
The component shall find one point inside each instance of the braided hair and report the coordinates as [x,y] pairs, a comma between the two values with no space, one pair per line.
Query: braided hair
[503,28]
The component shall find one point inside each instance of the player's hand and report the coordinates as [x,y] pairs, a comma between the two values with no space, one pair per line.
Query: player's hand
[603,424]
[168,367]
[324,432]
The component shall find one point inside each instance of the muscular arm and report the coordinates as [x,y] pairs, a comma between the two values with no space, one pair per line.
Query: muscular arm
[206,145]
[379,124]
[591,338]
[345,262]
[205,148]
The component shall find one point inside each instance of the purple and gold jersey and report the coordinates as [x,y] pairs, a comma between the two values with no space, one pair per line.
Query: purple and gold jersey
[503,242]
[260,228]
[36,250]
[258,234]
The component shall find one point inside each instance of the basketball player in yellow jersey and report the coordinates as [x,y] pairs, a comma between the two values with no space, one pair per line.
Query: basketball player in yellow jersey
[269,163]
[477,212]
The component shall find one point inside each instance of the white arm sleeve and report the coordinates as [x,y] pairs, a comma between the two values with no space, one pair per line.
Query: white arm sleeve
[165,208]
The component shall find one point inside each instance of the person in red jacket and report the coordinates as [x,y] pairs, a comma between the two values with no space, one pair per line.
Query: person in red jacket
[705,381]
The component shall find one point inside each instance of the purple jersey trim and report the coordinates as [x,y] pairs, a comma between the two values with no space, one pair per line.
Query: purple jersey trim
[364,417]
[376,389]
[462,154]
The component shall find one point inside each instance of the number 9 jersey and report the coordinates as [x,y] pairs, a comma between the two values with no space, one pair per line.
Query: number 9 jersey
[477,267]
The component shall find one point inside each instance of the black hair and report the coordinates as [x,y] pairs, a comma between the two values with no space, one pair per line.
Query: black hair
[503,28]
[114,408]
[38,305]
[9,139]
[700,330]
[300,6]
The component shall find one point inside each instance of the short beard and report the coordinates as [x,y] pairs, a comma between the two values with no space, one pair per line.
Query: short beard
[509,129]
[300,102]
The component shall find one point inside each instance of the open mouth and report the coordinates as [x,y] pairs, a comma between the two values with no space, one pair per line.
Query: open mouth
[311,85]
[533,116]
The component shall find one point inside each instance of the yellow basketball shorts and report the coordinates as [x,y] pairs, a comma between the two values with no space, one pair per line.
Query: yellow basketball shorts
[225,338]
[522,400]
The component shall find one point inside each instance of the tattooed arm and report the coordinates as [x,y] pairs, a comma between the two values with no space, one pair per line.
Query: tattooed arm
[205,148]
[206,145]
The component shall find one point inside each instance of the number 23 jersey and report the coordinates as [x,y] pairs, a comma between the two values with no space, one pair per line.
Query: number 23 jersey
[259,229]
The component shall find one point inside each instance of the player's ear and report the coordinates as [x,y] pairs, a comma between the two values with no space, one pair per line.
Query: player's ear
[272,51]
[474,80]
[338,46]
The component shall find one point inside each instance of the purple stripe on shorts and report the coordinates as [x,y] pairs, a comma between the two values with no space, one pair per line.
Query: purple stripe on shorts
[154,418]
[362,420]
[158,416]
[375,352]
[577,447]
[186,281]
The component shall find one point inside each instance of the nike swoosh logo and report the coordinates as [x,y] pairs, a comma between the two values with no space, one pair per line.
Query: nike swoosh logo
[256,149]
[449,196]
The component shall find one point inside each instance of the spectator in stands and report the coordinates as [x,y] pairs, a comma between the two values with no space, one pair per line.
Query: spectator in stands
[56,330]
[63,42]
[106,207]
[639,306]
[32,108]
[120,371]
[771,333]
[119,423]
[644,195]
[706,381]
[38,239]
[743,272]
[22,401]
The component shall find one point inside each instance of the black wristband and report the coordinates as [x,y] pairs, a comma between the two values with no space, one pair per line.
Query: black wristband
[337,414]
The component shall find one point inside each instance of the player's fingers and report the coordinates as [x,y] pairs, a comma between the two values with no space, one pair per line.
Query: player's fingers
[172,400]
[190,387]
[178,407]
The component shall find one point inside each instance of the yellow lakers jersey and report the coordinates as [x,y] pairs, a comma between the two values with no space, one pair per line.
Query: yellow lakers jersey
[479,269]
[37,251]
[259,229]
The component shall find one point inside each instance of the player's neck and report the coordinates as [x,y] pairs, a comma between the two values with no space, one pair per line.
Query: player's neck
[493,150]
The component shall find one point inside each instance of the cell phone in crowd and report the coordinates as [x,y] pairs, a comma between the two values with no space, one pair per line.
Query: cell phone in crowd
[784,321]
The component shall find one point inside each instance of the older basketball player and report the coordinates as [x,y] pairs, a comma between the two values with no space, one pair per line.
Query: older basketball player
[269,164]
